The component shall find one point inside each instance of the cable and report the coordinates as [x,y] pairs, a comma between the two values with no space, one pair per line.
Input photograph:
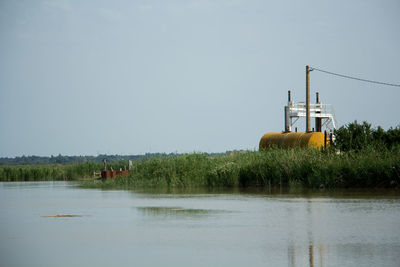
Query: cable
[355,78]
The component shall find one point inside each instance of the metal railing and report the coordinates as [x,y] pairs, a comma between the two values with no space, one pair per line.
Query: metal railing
[318,110]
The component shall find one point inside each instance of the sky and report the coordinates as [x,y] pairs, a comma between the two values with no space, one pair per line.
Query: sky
[148,76]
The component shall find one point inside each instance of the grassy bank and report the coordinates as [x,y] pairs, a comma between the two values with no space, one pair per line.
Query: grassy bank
[52,172]
[298,167]
[370,157]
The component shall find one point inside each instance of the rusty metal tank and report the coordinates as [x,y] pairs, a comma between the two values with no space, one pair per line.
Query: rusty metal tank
[293,139]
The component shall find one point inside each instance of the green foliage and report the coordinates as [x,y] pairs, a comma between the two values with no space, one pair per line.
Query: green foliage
[223,175]
[55,172]
[276,167]
[354,136]
[368,158]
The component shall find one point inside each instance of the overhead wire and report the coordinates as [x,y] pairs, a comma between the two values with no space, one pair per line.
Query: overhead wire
[354,78]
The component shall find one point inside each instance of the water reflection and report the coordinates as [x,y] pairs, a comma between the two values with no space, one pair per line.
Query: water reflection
[306,254]
[312,256]
[275,192]
[197,228]
[176,212]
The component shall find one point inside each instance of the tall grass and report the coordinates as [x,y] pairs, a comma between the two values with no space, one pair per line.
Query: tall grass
[295,167]
[55,172]
[369,158]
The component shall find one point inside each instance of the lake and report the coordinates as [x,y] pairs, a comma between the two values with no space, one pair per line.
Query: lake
[196,228]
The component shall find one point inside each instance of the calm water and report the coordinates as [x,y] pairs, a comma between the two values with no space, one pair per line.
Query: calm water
[128,228]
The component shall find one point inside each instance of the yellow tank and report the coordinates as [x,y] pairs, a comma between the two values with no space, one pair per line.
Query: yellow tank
[292,139]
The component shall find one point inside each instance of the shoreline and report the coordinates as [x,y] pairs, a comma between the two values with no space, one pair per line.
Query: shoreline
[292,168]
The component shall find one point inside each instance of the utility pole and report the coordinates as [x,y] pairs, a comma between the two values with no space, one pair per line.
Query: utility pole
[307,99]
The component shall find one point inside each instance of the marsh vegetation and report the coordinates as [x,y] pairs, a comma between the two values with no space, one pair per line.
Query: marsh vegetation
[295,167]
[360,157]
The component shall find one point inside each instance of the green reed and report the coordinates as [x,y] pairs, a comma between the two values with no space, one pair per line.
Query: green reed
[53,172]
[276,167]
[296,167]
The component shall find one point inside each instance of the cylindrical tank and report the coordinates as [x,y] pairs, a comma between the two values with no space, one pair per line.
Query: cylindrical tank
[292,139]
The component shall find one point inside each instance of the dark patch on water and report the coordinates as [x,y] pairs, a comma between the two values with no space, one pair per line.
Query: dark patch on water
[63,216]
[177,211]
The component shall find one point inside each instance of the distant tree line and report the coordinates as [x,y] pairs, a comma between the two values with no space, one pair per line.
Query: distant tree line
[60,159]
[351,137]
[357,137]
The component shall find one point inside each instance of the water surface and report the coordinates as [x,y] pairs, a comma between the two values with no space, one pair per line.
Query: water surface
[228,228]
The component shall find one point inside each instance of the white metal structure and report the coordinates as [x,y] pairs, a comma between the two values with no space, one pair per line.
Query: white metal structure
[294,111]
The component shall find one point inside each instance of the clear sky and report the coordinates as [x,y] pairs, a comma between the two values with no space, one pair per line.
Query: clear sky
[130,77]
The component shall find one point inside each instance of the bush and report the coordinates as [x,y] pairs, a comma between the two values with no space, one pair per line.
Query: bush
[354,136]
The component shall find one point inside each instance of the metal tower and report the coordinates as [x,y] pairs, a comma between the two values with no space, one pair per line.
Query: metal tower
[324,114]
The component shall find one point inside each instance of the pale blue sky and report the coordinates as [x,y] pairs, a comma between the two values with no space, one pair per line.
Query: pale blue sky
[130,77]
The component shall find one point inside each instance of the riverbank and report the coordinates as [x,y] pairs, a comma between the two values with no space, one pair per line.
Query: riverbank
[52,172]
[295,167]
